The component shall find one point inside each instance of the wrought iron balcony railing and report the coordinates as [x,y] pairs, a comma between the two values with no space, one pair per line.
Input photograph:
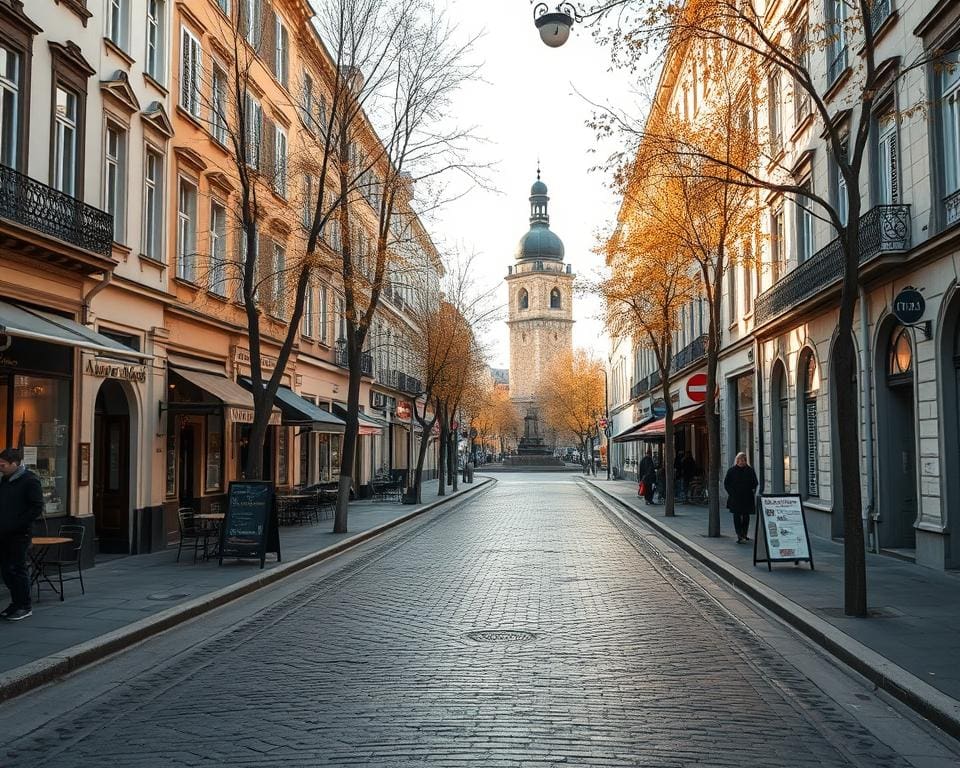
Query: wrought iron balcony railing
[44,209]
[838,63]
[883,229]
[694,351]
[952,205]
[366,360]
[879,12]
[637,389]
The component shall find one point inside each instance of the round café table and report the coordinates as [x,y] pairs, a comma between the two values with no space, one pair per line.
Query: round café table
[39,549]
[217,518]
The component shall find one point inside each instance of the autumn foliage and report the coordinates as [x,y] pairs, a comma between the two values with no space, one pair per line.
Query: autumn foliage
[571,397]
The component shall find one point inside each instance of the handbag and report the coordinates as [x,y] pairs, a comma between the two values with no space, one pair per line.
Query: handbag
[642,490]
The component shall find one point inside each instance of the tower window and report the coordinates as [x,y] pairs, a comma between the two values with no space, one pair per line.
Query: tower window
[555,299]
[523,300]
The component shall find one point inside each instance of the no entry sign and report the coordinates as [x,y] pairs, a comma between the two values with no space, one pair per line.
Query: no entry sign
[697,387]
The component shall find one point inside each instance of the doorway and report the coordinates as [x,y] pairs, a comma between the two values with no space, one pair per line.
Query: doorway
[897,500]
[779,404]
[187,464]
[111,476]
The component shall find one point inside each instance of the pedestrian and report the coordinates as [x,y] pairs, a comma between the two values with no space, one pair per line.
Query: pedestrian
[688,471]
[741,485]
[21,502]
[648,475]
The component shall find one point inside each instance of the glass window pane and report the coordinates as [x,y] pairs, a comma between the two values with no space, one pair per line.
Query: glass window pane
[41,429]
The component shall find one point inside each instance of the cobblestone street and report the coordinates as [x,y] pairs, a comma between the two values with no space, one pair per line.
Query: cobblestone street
[527,627]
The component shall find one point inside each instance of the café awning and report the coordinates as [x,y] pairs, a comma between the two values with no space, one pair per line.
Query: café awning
[28,323]
[237,401]
[368,424]
[655,429]
[297,411]
[630,433]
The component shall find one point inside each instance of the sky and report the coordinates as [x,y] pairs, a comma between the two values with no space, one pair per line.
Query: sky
[531,102]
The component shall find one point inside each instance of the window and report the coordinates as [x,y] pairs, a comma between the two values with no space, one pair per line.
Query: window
[114,177]
[323,314]
[555,299]
[156,45]
[341,321]
[775,108]
[809,453]
[218,248]
[950,119]
[186,230]
[254,130]
[308,201]
[748,277]
[191,65]
[777,265]
[279,280]
[801,54]
[840,184]
[306,100]
[251,13]
[804,225]
[523,300]
[280,168]
[322,114]
[743,433]
[10,79]
[281,56]
[306,323]
[900,355]
[152,204]
[224,6]
[731,293]
[888,161]
[117,21]
[218,104]
[65,141]
[837,53]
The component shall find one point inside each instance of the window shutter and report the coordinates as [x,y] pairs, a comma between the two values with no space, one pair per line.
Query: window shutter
[265,273]
[185,67]
[268,149]
[266,43]
[813,486]
[894,169]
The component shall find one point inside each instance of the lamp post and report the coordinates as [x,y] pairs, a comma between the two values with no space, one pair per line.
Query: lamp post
[606,418]
[555,25]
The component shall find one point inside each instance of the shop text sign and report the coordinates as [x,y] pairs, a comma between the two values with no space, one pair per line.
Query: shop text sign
[241,355]
[784,534]
[909,306]
[245,415]
[110,369]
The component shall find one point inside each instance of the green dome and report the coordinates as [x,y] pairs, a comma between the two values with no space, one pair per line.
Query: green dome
[539,243]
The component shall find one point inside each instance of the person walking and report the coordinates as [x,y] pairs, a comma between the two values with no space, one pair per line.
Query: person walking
[741,485]
[21,502]
[648,476]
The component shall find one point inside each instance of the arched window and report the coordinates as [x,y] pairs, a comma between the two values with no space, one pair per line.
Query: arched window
[808,433]
[555,298]
[523,300]
[900,354]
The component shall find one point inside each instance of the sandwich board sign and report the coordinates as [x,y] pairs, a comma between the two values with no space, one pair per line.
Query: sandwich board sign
[249,528]
[784,535]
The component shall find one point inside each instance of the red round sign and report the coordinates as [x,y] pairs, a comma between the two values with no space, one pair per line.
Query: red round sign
[697,387]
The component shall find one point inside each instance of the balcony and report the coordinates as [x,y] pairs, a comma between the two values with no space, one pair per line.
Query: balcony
[879,13]
[366,360]
[951,205]
[66,230]
[883,229]
[695,351]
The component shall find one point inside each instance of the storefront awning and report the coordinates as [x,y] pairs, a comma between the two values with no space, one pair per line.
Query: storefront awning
[655,429]
[237,401]
[300,412]
[28,323]
[630,433]
[368,424]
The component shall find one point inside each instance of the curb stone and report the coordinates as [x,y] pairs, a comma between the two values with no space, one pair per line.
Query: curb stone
[34,674]
[936,706]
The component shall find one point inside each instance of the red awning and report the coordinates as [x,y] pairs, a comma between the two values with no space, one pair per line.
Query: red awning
[630,433]
[655,429]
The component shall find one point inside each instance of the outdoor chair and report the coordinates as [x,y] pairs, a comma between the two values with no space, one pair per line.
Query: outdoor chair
[190,530]
[68,558]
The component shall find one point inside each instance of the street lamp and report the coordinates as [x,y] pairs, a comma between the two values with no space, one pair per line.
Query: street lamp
[555,25]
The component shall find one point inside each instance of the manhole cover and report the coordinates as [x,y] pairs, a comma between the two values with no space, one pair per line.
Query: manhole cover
[500,636]
[168,595]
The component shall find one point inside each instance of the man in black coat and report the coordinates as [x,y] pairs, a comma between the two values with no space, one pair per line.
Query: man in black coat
[741,485]
[21,502]
[648,474]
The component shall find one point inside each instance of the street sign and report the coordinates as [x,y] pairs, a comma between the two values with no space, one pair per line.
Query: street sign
[909,306]
[659,408]
[697,387]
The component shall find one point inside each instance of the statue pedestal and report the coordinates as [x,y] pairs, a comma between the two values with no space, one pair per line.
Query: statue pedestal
[532,452]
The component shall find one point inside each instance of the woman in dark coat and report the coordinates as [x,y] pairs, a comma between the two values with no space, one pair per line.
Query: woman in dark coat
[648,474]
[741,485]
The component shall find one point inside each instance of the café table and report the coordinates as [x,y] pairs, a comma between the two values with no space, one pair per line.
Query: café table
[292,507]
[39,549]
[217,519]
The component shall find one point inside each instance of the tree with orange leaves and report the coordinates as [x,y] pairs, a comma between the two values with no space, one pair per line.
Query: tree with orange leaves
[571,397]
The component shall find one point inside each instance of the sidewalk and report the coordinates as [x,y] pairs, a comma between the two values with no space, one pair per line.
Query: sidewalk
[123,592]
[917,629]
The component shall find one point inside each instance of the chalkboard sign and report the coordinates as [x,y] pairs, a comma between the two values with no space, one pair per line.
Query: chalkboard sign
[784,535]
[249,528]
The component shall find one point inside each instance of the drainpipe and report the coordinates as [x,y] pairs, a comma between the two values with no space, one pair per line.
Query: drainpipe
[870,511]
[91,295]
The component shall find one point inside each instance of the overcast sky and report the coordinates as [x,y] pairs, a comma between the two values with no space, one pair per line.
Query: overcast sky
[528,107]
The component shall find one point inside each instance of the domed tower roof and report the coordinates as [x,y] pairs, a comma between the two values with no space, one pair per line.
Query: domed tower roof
[539,243]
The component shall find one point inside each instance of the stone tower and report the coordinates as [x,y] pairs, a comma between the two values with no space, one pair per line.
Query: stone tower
[540,315]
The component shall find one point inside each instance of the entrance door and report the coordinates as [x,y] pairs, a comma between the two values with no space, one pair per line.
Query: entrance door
[187,465]
[111,480]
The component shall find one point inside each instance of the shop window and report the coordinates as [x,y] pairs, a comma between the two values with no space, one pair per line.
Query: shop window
[743,432]
[213,481]
[41,429]
[282,446]
[900,354]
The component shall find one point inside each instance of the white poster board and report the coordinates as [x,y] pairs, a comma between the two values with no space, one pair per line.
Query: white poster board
[784,535]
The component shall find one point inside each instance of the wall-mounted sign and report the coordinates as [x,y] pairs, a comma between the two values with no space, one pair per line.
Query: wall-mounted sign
[697,387]
[111,369]
[403,411]
[245,415]
[909,306]
[241,356]
[658,408]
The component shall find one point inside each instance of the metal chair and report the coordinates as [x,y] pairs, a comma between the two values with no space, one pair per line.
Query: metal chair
[68,557]
[189,529]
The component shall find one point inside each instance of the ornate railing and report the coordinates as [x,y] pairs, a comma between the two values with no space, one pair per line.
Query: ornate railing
[638,389]
[879,12]
[951,204]
[44,209]
[694,351]
[883,229]
[366,361]
[837,65]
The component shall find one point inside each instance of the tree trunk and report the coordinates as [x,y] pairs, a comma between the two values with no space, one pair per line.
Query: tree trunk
[348,454]
[253,467]
[843,373]
[712,417]
[415,490]
[442,463]
[668,448]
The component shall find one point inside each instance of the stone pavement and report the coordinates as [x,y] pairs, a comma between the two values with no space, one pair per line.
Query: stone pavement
[919,627]
[125,590]
[527,627]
